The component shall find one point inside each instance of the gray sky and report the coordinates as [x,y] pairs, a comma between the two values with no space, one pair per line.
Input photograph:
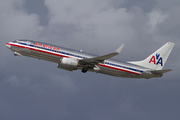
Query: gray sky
[33,89]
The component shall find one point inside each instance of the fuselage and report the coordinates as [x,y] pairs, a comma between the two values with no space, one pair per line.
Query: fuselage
[53,53]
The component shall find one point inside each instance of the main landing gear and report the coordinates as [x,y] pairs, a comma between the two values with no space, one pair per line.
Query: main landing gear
[84,70]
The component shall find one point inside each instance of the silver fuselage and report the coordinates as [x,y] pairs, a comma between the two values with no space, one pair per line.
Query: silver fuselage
[53,53]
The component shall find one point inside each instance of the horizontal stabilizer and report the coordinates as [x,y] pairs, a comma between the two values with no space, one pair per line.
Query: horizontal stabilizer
[160,71]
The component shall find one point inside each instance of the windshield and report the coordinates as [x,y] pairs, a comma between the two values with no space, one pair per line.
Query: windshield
[24,41]
[16,41]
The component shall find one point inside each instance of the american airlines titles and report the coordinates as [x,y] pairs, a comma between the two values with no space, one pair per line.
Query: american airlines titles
[46,46]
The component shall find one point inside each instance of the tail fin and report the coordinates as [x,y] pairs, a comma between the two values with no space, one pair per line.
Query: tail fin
[156,60]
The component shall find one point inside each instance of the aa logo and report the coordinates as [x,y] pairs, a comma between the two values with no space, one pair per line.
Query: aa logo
[158,59]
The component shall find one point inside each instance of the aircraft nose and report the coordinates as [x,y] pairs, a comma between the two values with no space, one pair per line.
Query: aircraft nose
[8,45]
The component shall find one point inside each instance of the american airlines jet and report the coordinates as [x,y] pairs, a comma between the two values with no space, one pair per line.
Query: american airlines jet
[69,59]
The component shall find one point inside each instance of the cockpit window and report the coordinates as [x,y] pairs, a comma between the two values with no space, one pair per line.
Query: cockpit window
[16,41]
[24,41]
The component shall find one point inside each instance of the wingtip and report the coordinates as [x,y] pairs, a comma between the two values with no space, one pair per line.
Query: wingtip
[120,48]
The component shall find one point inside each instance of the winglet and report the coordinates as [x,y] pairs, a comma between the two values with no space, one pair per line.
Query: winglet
[120,48]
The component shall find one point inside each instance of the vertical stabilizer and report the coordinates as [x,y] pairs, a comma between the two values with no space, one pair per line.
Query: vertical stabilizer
[157,60]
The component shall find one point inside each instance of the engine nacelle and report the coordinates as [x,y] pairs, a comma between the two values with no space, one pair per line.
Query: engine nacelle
[69,62]
[96,68]
[17,54]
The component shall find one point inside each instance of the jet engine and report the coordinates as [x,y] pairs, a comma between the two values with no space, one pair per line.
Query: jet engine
[96,68]
[69,62]
[17,54]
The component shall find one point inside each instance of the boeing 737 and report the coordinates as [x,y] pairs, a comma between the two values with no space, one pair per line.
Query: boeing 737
[69,59]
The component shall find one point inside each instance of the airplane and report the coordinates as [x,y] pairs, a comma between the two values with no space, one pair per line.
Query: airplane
[70,60]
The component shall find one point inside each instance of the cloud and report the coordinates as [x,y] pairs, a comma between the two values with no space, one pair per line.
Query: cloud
[31,88]
[166,5]
[51,83]
[156,18]
[16,23]
[102,24]
[127,108]
[96,22]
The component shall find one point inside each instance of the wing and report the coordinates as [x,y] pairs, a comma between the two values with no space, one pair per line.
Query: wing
[91,62]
